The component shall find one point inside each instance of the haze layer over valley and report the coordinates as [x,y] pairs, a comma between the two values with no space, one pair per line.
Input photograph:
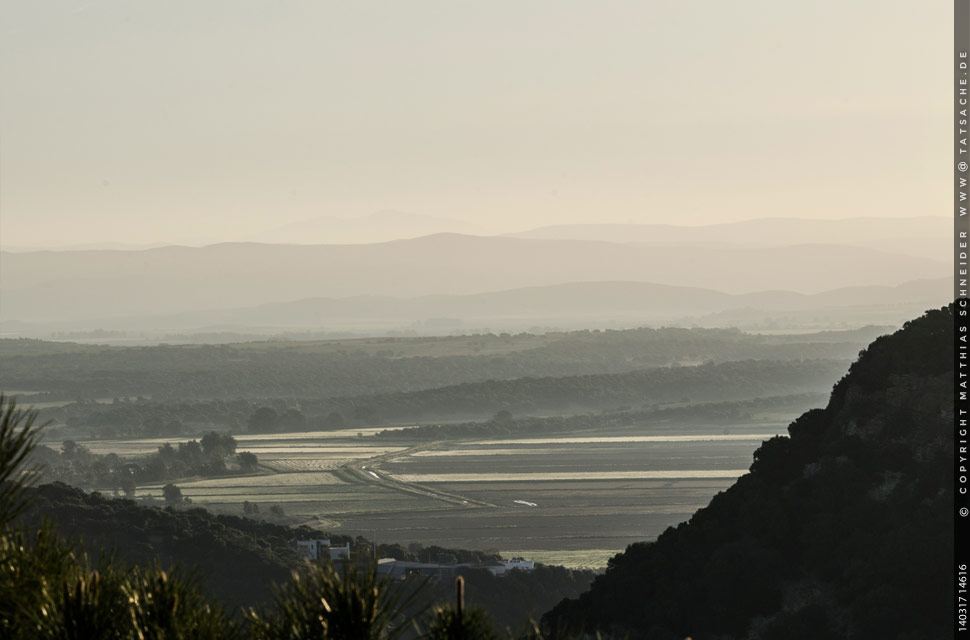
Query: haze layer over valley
[769,274]
[315,294]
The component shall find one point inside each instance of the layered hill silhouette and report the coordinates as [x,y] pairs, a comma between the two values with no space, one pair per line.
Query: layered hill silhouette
[841,530]
[75,285]
[382,226]
[580,302]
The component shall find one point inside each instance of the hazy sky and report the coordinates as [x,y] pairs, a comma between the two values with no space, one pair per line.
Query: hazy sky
[143,122]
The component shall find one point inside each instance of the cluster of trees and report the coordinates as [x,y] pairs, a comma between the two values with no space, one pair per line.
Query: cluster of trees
[843,529]
[252,509]
[212,455]
[66,371]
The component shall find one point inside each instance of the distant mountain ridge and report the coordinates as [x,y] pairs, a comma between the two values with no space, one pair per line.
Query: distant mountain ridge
[927,236]
[73,285]
[382,226]
[593,301]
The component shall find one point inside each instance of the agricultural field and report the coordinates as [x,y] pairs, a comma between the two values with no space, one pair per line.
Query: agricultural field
[573,500]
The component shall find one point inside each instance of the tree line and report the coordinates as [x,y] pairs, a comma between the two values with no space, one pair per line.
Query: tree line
[467,401]
[66,371]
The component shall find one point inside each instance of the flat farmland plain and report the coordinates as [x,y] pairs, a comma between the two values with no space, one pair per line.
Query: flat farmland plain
[572,500]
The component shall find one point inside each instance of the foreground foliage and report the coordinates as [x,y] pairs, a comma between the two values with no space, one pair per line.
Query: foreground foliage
[447,623]
[18,438]
[330,603]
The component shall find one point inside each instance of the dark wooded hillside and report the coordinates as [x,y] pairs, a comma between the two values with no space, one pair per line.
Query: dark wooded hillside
[843,529]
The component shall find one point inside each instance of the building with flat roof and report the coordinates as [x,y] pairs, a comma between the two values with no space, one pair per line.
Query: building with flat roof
[322,549]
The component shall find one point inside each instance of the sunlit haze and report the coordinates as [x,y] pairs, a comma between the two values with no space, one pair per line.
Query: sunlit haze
[193,123]
[481,319]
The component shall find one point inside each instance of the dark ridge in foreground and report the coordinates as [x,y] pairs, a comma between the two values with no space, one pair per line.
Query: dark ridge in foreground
[239,561]
[842,530]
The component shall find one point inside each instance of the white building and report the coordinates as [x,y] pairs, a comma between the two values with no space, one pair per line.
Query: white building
[317,549]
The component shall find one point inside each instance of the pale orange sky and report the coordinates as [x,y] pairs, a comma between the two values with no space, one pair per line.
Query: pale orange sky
[205,121]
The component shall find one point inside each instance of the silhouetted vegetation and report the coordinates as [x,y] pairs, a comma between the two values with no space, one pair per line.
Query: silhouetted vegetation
[843,529]
[516,597]
[238,559]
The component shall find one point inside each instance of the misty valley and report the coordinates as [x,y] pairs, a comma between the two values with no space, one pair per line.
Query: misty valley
[562,451]
[645,427]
